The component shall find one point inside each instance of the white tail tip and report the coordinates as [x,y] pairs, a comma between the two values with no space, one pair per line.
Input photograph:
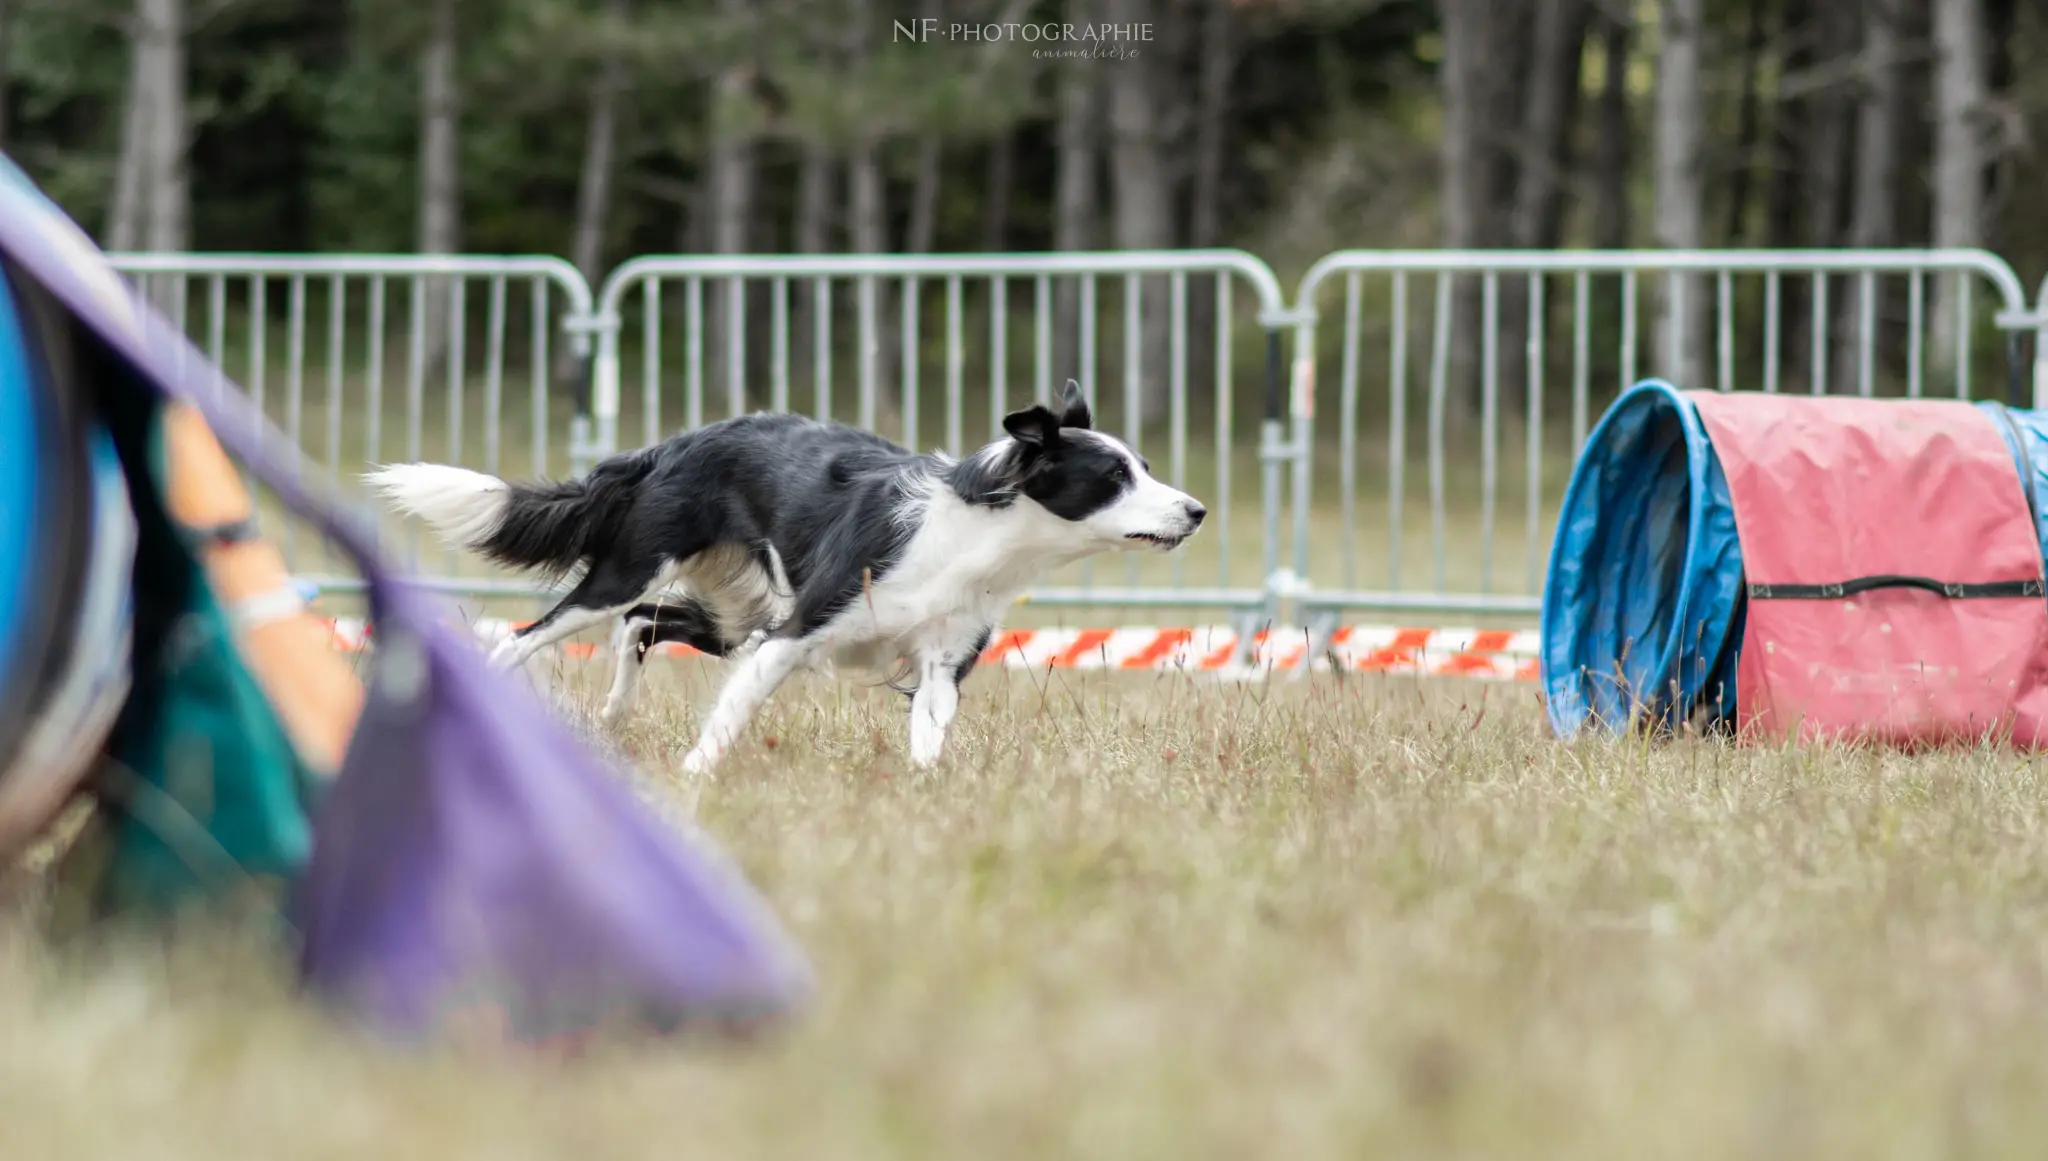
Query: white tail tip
[462,507]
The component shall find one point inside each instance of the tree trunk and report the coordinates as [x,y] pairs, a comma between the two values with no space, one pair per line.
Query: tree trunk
[729,172]
[1680,187]
[1078,189]
[1788,138]
[812,235]
[1543,163]
[1874,225]
[1959,153]
[1212,113]
[1143,188]
[1611,156]
[2006,134]
[167,228]
[440,175]
[995,212]
[6,72]
[1747,117]
[871,236]
[594,184]
[124,216]
[924,196]
[1833,130]
[1469,175]
[1218,60]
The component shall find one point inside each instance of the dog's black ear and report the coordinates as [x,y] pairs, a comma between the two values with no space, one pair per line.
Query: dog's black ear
[1076,405]
[1034,427]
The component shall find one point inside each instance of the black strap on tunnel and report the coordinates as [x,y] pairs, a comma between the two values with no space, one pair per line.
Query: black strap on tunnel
[1965,591]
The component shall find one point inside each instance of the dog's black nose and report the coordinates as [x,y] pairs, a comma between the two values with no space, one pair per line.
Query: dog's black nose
[1196,512]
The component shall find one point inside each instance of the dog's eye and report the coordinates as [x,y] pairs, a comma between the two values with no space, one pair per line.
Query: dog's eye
[1120,473]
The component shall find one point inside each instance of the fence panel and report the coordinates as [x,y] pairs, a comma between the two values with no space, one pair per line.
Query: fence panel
[933,350]
[2040,322]
[1491,367]
[361,359]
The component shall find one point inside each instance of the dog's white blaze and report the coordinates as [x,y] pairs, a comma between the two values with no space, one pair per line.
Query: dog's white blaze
[1150,508]
[462,507]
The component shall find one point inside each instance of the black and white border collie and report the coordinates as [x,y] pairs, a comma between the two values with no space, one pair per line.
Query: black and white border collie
[781,542]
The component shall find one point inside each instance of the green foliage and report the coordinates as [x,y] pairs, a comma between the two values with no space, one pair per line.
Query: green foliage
[305,112]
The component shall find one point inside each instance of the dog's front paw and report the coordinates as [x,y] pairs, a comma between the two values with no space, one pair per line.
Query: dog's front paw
[925,750]
[699,762]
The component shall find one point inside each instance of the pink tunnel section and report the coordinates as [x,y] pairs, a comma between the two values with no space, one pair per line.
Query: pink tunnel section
[1827,491]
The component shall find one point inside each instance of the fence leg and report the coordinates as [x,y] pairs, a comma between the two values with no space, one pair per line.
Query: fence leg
[1322,626]
[598,436]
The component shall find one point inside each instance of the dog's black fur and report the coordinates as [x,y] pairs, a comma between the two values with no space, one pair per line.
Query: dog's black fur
[823,496]
[778,523]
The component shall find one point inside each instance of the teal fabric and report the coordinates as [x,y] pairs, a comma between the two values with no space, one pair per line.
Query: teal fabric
[210,790]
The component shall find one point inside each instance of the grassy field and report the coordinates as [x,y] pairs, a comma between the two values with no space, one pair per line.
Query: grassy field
[1137,917]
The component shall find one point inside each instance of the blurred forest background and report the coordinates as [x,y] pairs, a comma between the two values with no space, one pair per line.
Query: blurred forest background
[603,129]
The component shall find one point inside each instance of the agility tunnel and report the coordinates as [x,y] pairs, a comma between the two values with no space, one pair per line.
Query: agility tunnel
[434,849]
[1802,567]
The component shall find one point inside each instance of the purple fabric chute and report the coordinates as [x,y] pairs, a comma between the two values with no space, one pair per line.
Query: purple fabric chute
[473,852]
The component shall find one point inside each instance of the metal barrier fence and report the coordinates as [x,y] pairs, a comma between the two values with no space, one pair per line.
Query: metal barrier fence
[340,351]
[1910,324]
[1125,324]
[476,360]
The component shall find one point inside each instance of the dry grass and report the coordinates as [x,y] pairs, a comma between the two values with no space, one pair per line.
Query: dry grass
[1154,917]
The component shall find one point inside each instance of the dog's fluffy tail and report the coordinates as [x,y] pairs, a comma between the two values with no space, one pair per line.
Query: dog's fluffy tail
[550,527]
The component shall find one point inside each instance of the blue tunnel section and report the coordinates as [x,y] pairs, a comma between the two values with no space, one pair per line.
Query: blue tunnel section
[1642,604]
[2026,434]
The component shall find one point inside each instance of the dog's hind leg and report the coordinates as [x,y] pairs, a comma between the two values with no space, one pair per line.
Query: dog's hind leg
[629,653]
[607,590]
[647,625]
[749,687]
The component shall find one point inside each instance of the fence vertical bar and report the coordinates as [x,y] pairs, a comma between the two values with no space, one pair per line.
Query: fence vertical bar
[259,335]
[337,327]
[1133,382]
[295,391]
[1866,335]
[1628,330]
[693,350]
[912,403]
[1582,360]
[735,346]
[494,374]
[1773,316]
[1225,413]
[1397,428]
[1724,328]
[998,353]
[1177,429]
[1819,354]
[821,349]
[1533,451]
[778,345]
[1489,422]
[1347,435]
[870,351]
[542,371]
[1041,312]
[373,438]
[956,366]
[1439,371]
[650,361]
[1916,330]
